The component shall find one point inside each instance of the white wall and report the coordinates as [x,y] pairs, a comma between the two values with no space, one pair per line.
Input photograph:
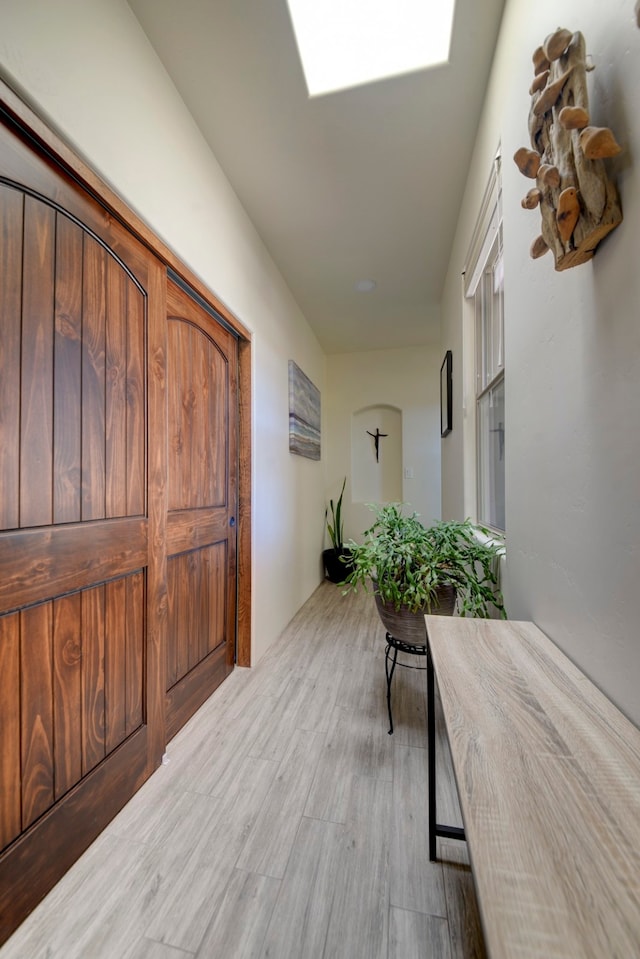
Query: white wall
[87,67]
[408,380]
[573,365]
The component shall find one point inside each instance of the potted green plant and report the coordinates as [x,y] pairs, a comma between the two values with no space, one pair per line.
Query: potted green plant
[414,570]
[337,557]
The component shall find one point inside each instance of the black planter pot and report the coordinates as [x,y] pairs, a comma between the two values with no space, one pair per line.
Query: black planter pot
[337,564]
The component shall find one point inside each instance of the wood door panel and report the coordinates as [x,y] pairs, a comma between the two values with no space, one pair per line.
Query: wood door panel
[198,418]
[67,362]
[191,529]
[115,663]
[36,712]
[94,374]
[92,713]
[10,773]
[62,324]
[67,691]
[220,571]
[116,393]
[135,405]
[202,377]
[36,426]
[189,693]
[197,613]
[134,664]
[82,517]
[70,664]
[41,564]
[11,223]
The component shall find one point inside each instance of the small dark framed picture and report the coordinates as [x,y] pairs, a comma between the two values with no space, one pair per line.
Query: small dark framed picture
[446,394]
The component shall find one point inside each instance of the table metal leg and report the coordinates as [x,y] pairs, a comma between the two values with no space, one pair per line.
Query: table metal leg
[431,754]
[390,677]
[435,829]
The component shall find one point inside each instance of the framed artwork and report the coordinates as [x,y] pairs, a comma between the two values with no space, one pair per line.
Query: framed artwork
[446,394]
[304,414]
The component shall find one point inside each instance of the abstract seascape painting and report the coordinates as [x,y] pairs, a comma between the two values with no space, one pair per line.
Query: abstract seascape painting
[304,414]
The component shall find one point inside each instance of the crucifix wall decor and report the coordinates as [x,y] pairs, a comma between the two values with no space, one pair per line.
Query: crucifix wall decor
[376,439]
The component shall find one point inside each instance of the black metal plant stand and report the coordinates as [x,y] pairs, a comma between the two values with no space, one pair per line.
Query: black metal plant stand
[399,646]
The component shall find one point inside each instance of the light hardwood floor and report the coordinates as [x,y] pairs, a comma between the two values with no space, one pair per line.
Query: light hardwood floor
[286,824]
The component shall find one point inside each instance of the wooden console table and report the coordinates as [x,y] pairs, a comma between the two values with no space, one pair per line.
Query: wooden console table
[548,777]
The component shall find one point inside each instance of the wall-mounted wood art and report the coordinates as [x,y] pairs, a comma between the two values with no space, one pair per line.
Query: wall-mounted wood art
[304,414]
[578,202]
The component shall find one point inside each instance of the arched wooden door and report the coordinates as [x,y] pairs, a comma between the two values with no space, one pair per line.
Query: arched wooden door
[202,490]
[82,512]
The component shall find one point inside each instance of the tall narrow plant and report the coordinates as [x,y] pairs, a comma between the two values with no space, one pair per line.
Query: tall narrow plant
[335,526]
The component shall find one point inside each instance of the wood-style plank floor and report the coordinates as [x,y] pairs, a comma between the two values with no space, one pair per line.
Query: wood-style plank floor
[286,823]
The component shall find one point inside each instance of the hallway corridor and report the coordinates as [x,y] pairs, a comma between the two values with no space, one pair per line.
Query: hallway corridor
[286,822]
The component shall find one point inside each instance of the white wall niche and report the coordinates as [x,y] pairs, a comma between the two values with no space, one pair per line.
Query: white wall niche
[376,479]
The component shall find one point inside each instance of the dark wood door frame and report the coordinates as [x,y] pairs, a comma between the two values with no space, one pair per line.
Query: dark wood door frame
[16,113]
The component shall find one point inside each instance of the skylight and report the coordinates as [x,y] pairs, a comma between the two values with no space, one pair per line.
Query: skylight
[346,43]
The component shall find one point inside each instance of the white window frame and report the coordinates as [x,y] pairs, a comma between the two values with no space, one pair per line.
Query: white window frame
[483,289]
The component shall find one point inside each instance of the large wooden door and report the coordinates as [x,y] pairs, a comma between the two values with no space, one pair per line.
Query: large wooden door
[202,480]
[82,514]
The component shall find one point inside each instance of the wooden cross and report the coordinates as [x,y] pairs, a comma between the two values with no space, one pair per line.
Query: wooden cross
[376,440]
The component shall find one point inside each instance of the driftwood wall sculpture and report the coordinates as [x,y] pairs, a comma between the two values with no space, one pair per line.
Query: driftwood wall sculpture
[578,202]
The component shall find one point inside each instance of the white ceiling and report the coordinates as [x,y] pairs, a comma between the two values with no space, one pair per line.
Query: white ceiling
[361,184]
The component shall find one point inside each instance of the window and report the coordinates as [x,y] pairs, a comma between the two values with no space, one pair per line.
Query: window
[484,287]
